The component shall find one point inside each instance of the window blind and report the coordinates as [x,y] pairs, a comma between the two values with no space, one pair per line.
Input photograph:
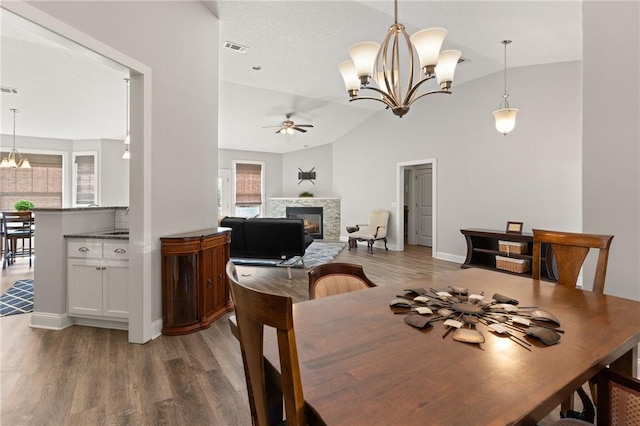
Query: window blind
[248,184]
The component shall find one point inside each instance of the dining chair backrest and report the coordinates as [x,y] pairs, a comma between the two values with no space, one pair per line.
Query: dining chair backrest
[618,401]
[570,251]
[336,278]
[254,310]
[17,223]
[17,226]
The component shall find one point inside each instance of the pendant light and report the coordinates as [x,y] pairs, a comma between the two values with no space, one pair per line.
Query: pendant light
[505,116]
[127,139]
[396,70]
[14,159]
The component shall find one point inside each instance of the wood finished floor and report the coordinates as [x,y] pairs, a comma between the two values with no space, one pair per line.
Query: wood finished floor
[91,376]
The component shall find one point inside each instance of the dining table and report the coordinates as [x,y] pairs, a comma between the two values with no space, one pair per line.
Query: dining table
[362,364]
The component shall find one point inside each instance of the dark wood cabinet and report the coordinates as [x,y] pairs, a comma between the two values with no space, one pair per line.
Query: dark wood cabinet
[483,247]
[195,291]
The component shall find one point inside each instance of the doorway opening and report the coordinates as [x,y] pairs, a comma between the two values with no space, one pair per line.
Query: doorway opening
[416,219]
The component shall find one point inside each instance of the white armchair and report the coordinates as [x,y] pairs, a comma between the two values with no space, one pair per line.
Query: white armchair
[375,230]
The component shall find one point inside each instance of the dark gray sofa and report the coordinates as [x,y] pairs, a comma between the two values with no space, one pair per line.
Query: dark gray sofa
[267,238]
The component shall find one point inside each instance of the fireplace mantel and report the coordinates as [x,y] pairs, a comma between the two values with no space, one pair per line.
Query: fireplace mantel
[277,207]
[304,198]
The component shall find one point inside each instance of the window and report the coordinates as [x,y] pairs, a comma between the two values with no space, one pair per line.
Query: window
[41,184]
[85,185]
[248,188]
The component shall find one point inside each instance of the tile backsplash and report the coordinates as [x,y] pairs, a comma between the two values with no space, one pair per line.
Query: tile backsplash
[122,219]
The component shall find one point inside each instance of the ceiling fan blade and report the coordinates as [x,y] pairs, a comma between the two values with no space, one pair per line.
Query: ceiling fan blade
[278,131]
[304,125]
[299,129]
[266,127]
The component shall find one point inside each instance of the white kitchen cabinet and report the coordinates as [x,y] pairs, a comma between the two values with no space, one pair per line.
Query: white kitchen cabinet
[97,279]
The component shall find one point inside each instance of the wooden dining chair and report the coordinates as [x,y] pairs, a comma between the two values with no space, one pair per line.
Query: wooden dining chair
[618,400]
[253,311]
[336,278]
[17,226]
[570,251]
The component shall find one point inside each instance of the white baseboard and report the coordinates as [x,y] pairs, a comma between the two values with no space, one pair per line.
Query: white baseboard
[156,328]
[450,257]
[102,323]
[50,321]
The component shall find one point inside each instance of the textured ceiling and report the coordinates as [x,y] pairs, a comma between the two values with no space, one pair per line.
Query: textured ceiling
[297,44]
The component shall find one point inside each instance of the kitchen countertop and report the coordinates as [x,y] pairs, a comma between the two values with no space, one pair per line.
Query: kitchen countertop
[103,235]
[74,209]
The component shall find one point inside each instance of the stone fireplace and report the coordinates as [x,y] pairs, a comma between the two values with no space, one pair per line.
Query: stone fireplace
[330,225]
[312,217]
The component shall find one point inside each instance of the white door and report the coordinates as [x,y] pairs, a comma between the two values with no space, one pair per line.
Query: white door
[224,192]
[424,206]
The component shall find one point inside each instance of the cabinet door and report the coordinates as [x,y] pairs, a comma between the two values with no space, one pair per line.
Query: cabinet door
[221,292]
[115,288]
[208,282]
[84,286]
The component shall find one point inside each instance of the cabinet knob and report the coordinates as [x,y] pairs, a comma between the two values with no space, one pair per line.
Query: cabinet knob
[209,282]
[97,268]
[219,278]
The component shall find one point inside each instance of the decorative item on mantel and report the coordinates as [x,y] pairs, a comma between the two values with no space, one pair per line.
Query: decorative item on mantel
[305,194]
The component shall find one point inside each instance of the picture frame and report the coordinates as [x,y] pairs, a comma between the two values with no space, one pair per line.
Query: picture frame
[514,227]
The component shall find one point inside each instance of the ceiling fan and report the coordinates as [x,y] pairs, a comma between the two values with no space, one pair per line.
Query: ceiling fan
[288,126]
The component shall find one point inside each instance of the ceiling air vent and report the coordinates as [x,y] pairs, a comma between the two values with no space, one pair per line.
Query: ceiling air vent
[10,90]
[235,47]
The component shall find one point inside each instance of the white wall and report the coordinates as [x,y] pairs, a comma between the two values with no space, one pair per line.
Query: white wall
[112,169]
[484,179]
[319,157]
[178,41]
[114,174]
[611,144]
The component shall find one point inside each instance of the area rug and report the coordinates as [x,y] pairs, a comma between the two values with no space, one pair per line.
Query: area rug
[18,299]
[317,253]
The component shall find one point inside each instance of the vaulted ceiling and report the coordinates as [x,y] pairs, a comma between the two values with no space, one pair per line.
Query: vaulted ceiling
[65,93]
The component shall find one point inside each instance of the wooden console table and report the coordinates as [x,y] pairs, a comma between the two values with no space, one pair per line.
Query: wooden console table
[195,291]
[482,248]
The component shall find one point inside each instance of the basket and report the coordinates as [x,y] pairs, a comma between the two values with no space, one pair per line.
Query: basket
[512,247]
[513,265]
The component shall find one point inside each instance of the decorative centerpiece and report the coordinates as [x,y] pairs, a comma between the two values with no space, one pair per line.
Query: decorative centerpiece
[462,311]
[305,194]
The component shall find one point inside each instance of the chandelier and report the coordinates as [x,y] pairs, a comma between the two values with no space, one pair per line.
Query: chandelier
[384,64]
[505,116]
[127,139]
[14,159]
